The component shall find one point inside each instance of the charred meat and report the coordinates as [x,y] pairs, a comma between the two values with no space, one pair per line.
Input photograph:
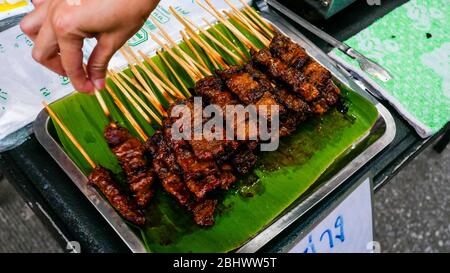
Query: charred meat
[130,152]
[102,179]
[282,72]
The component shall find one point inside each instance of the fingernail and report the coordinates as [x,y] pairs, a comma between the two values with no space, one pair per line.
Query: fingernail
[99,84]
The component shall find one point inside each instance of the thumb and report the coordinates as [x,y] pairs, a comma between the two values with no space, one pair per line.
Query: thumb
[98,61]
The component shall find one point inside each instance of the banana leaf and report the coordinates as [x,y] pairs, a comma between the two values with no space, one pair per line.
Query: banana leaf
[280,178]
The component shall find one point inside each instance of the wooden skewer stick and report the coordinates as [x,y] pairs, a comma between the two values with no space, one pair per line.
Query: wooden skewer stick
[212,53]
[128,96]
[136,97]
[148,91]
[252,30]
[199,68]
[102,104]
[127,114]
[260,22]
[231,27]
[180,61]
[162,75]
[230,43]
[192,48]
[256,17]
[191,32]
[100,99]
[69,135]
[215,63]
[184,55]
[169,65]
[162,87]
[249,21]
[187,23]
[152,99]
[212,38]
[172,43]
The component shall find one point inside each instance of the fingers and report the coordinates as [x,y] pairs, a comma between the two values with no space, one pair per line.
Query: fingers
[98,61]
[32,22]
[46,50]
[37,3]
[72,61]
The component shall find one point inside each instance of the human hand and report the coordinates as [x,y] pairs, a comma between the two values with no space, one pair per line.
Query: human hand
[58,28]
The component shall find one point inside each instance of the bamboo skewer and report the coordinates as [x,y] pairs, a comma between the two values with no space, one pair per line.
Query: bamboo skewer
[249,21]
[121,107]
[162,87]
[194,64]
[100,99]
[209,50]
[180,61]
[231,27]
[142,81]
[130,96]
[102,104]
[127,114]
[203,69]
[215,63]
[136,97]
[216,57]
[256,17]
[69,135]
[167,63]
[162,75]
[230,43]
[211,37]
[173,44]
[152,99]
[192,48]
[249,28]
[260,22]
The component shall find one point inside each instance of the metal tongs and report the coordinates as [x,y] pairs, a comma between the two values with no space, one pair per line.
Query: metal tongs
[366,64]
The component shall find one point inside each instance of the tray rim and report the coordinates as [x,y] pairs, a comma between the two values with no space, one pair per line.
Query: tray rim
[135,244]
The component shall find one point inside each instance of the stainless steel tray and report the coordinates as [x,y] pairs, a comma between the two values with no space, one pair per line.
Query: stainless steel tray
[383,132]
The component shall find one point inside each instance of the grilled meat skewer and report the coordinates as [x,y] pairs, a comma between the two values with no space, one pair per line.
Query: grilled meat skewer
[170,174]
[293,55]
[201,176]
[212,88]
[165,166]
[289,52]
[282,72]
[130,152]
[103,180]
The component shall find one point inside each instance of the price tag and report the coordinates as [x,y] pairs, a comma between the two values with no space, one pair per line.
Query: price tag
[348,228]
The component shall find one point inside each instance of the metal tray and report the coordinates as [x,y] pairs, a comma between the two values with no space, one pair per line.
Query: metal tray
[364,149]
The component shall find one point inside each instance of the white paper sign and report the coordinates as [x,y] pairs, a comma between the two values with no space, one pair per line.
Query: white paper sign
[347,229]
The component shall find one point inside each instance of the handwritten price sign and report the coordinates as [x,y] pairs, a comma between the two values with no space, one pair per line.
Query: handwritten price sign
[348,228]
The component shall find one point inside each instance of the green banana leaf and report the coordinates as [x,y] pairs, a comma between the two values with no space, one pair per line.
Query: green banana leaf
[280,178]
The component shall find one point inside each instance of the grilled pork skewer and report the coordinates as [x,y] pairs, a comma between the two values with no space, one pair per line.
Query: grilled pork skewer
[296,57]
[103,180]
[165,166]
[130,152]
[170,174]
[201,176]
[280,71]
[240,155]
